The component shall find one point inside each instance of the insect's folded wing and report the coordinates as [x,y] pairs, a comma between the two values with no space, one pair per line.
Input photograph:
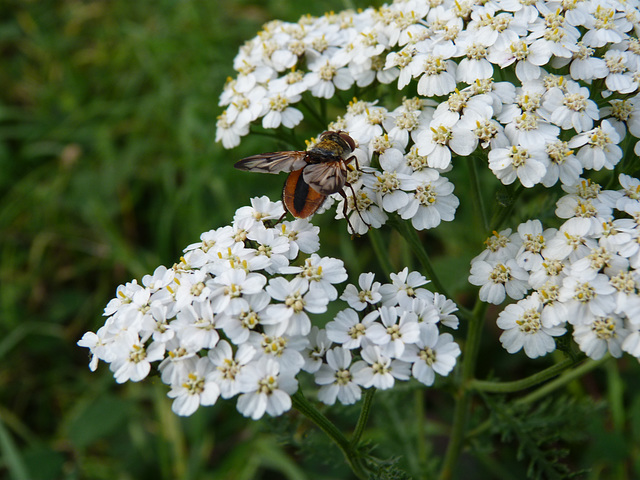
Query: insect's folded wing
[325,178]
[275,162]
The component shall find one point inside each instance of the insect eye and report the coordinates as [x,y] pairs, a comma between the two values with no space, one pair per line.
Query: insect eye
[350,141]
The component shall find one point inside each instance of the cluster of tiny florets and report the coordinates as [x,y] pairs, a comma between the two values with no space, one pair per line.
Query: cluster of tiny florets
[234,318]
[583,276]
[536,128]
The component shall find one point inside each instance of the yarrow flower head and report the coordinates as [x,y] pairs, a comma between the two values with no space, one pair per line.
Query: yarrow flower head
[242,314]
[239,324]
[579,274]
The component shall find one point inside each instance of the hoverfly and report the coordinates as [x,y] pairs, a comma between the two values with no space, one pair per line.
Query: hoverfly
[316,173]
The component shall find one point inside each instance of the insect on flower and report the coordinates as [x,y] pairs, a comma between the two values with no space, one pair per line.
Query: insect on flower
[316,173]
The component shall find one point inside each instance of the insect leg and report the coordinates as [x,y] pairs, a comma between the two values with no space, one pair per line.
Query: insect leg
[345,211]
[355,203]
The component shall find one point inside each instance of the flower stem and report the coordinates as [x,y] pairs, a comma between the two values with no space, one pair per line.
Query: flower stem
[379,250]
[535,379]
[364,417]
[463,397]
[561,381]
[317,116]
[411,237]
[476,191]
[301,404]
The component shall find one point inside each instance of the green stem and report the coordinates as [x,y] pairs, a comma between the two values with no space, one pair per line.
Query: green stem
[476,190]
[544,390]
[502,215]
[421,444]
[301,404]
[515,386]
[463,397]
[561,381]
[314,113]
[380,251]
[364,417]
[411,237]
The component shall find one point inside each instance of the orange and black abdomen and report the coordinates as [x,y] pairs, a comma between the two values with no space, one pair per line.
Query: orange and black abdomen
[299,198]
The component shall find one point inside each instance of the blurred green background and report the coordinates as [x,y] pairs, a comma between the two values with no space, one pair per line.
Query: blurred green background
[108,168]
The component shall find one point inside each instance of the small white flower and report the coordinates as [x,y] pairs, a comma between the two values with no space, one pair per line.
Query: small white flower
[497,280]
[302,237]
[313,353]
[336,379]
[285,350]
[523,328]
[228,366]
[367,295]
[432,201]
[377,370]
[132,358]
[297,299]
[500,246]
[432,353]
[599,147]
[602,335]
[348,330]
[229,287]
[585,298]
[196,388]
[238,327]
[395,331]
[529,165]
[533,238]
[322,273]
[570,107]
[404,288]
[325,75]
[265,389]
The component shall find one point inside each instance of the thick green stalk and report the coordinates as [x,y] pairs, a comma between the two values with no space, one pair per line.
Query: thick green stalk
[463,397]
[515,386]
[301,404]
[364,417]
[564,379]
[545,389]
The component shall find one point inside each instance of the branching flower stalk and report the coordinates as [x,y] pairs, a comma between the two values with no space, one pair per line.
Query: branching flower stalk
[539,99]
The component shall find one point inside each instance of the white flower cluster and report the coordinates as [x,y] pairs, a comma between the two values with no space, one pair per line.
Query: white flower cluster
[586,274]
[535,127]
[233,318]
[404,182]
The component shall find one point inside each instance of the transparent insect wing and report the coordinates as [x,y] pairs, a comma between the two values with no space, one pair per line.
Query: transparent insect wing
[325,178]
[275,162]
